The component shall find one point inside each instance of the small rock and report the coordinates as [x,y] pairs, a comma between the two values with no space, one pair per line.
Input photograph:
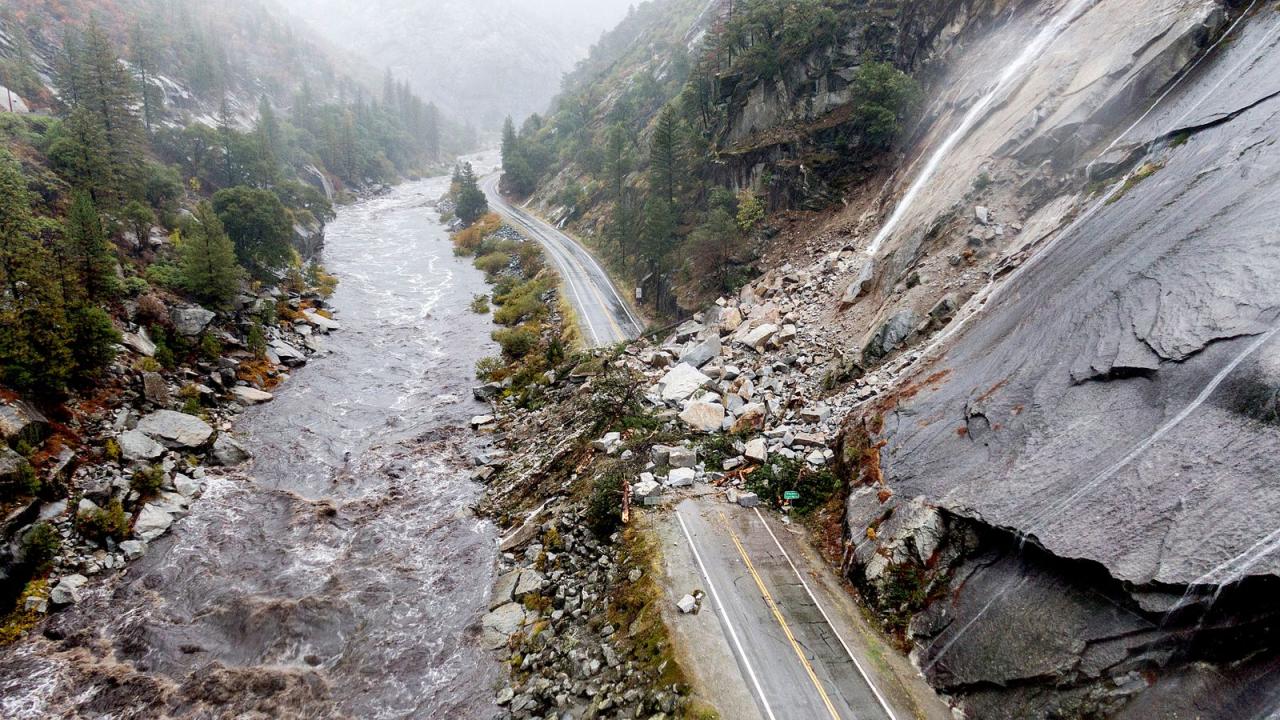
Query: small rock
[748,499]
[681,477]
[152,522]
[67,591]
[155,389]
[681,457]
[680,382]
[133,549]
[227,452]
[687,604]
[190,321]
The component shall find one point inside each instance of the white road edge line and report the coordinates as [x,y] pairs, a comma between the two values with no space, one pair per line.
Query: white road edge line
[858,665]
[724,615]
[562,261]
[591,258]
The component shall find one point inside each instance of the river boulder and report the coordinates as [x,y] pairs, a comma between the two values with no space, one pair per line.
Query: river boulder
[67,591]
[136,446]
[175,429]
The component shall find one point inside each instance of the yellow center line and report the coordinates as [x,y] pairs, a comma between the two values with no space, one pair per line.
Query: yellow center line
[777,614]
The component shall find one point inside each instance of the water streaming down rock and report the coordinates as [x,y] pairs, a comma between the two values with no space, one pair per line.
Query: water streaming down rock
[1007,80]
[343,576]
[1097,430]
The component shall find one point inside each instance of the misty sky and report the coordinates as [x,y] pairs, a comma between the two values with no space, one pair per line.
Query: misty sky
[479,60]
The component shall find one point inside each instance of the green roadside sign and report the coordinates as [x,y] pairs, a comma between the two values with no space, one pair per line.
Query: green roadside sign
[790,495]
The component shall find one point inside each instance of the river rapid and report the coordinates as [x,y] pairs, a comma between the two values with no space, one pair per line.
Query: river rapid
[341,574]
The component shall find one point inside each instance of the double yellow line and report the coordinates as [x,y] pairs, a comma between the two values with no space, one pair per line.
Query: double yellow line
[777,614]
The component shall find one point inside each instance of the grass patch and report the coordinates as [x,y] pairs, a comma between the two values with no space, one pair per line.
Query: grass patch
[1134,179]
[638,613]
[20,621]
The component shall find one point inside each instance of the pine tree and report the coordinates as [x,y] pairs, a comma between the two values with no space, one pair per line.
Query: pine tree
[472,204]
[143,61]
[208,260]
[510,142]
[105,89]
[665,165]
[89,254]
[617,161]
[34,352]
[80,154]
[226,132]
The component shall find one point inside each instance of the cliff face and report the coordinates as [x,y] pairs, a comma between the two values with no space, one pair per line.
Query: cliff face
[1086,451]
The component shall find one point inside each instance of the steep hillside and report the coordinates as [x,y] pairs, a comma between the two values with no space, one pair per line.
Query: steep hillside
[1041,305]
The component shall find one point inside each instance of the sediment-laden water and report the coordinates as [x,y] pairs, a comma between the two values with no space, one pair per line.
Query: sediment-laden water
[341,574]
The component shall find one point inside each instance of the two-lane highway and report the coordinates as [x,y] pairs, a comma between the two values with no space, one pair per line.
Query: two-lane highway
[603,316]
[795,649]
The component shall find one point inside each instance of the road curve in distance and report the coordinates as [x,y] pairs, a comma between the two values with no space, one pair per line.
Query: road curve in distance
[603,315]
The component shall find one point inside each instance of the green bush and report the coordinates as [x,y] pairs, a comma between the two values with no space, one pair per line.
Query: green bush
[604,509]
[27,483]
[41,545]
[521,303]
[103,523]
[480,304]
[146,481]
[135,286]
[516,342]
[486,367]
[815,485]
[493,263]
[210,347]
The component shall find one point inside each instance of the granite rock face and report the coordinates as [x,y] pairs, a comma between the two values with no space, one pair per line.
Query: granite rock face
[1083,478]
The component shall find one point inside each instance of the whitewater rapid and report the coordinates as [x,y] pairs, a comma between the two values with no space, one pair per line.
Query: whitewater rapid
[342,574]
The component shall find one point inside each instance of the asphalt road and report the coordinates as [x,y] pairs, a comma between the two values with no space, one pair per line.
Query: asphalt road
[792,647]
[603,316]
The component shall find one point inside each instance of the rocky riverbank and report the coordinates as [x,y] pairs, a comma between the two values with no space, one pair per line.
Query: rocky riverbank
[111,473]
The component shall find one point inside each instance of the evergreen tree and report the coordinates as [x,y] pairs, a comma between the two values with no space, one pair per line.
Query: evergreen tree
[104,88]
[88,253]
[268,132]
[143,60]
[510,143]
[715,241]
[617,161]
[258,225]
[665,165]
[226,133]
[34,352]
[472,204]
[208,260]
[79,153]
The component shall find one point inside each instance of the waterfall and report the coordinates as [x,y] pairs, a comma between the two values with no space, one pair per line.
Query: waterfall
[1014,71]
